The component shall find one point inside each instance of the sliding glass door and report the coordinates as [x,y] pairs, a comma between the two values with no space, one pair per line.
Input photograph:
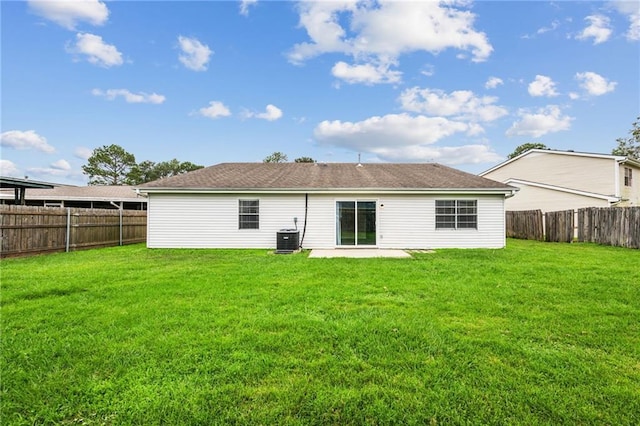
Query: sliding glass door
[356,223]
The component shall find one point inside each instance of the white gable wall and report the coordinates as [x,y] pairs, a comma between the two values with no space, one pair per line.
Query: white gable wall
[403,221]
[584,173]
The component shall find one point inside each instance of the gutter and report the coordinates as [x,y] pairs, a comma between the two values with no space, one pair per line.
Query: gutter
[457,191]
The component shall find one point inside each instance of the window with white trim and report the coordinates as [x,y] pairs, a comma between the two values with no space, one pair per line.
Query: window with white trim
[456,214]
[628,176]
[248,214]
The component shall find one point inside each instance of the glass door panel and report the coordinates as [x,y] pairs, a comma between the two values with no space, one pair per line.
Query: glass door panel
[355,223]
[366,225]
[346,223]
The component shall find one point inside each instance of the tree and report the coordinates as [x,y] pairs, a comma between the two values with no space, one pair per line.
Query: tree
[276,157]
[147,171]
[109,165]
[526,147]
[142,172]
[173,168]
[630,147]
[304,160]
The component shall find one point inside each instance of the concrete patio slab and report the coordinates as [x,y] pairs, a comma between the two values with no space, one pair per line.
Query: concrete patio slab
[358,253]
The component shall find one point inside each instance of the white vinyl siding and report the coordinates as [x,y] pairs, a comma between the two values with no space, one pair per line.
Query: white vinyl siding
[409,222]
[211,220]
[403,221]
[581,173]
[630,193]
[549,200]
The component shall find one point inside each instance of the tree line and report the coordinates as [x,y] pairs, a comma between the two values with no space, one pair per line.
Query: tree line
[113,165]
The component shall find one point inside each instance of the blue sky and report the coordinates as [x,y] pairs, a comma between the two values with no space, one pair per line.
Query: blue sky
[455,82]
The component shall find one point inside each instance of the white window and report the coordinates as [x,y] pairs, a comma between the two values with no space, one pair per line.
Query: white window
[628,175]
[456,214]
[248,214]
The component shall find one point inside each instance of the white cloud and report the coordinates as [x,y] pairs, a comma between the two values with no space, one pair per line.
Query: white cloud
[382,31]
[365,73]
[29,139]
[61,165]
[401,137]
[69,13]
[244,6]
[460,104]
[595,84]
[8,168]
[83,152]
[389,130]
[195,55]
[542,86]
[214,110]
[132,98]
[632,11]
[450,155]
[272,113]
[599,29]
[96,50]
[428,70]
[633,33]
[555,24]
[538,123]
[55,170]
[493,82]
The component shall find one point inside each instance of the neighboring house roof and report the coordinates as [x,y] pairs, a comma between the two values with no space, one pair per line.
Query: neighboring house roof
[563,189]
[325,176]
[620,159]
[11,182]
[83,193]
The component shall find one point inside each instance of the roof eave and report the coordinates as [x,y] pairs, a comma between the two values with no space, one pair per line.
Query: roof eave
[500,190]
[629,160]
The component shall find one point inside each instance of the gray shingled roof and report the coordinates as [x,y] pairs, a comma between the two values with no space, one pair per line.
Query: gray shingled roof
[325,176]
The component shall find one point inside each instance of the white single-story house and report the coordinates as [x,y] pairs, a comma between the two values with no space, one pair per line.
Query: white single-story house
[332,205]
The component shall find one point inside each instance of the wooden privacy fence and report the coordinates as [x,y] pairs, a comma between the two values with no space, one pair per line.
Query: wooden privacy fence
[31,230]
[614,226]
[558,226]
[525,224]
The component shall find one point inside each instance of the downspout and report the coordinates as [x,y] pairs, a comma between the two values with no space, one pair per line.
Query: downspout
[306,210]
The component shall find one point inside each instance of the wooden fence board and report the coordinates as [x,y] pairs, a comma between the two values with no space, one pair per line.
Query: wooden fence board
[36,229]
[525,224]
[559,226]
[614,226]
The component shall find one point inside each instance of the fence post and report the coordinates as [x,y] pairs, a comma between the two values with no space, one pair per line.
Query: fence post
[68,230]
[73,239]
[120,225]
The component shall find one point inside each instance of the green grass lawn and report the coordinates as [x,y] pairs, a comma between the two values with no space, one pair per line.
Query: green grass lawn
[537,333]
